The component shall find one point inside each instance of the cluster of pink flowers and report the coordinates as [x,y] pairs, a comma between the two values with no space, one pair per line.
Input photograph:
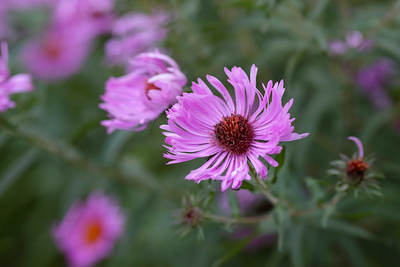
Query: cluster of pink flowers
[153,79]
[60,51]
[354,40]
[229,132]
[10,84]
[89,230]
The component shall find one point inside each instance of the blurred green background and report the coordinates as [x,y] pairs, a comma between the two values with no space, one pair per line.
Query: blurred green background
[56,152]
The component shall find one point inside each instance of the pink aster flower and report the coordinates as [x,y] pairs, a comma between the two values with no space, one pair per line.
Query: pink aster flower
[139,97]
[229,132]
[135,33]
[10,84]
[89,230]
[97,14]
[58,54]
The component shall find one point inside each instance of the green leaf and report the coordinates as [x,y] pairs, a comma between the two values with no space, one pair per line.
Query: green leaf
[233,203]
[280,158]
[350,229]
[234,250]
[317,193]
[281,218]
[247,185]
[328,211]
[13,172]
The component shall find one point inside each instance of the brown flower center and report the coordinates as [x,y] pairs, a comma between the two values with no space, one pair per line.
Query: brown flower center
[93,232]
[150,86]
[356,169]
[234,134]
[52,48]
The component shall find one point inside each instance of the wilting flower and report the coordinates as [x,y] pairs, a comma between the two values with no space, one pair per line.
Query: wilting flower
[356,172]
[229,132]
[89,230]
[10,84]
[374,78]
[58,54]
[133,100]
[135,33]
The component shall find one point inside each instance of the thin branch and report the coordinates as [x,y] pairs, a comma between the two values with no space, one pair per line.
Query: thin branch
[72,156]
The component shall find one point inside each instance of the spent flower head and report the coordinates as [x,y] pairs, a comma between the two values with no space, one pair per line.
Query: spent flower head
[356,173]
[190,216]
[89,230]
[230,131]
[151,86]
[18,83]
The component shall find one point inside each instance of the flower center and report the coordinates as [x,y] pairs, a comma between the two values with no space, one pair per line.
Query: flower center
[234,134]
[93,232]
[355,170]
[150,86]
[52,48]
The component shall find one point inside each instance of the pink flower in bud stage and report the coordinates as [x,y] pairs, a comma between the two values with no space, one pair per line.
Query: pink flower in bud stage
[135,33]
[133,100]
[59,53]
[229,131]
[89,230]
[10,84]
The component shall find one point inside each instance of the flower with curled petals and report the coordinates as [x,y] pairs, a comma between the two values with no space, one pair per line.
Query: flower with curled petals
[229,132]
[11,84]
[133,100]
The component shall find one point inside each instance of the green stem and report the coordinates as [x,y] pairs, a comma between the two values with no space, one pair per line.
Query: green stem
[391,15]
[72,156]
[240,220]
[264,188]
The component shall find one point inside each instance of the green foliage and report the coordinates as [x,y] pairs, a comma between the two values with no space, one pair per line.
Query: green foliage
[54,151]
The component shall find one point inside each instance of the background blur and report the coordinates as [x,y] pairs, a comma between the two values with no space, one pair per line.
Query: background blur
[59,153]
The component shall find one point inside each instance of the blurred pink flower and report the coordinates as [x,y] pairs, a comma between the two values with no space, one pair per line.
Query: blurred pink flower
[97,14]
[135,33]
[10,84]
[133,100]
[354,40]
[373,79]
[89,230]
[337,47]
[20,4]
[58,54]
[230,132]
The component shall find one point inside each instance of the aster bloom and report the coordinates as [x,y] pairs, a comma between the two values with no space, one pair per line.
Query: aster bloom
[337,47]
[89,230]
[353,40]
[374,78]
[96,14]
[229,131]
[59,53]
[133,100]
[135,33]
[10,84]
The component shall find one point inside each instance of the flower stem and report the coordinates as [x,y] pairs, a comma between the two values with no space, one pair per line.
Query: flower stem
[264,189]
[73,156]
[241,220]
